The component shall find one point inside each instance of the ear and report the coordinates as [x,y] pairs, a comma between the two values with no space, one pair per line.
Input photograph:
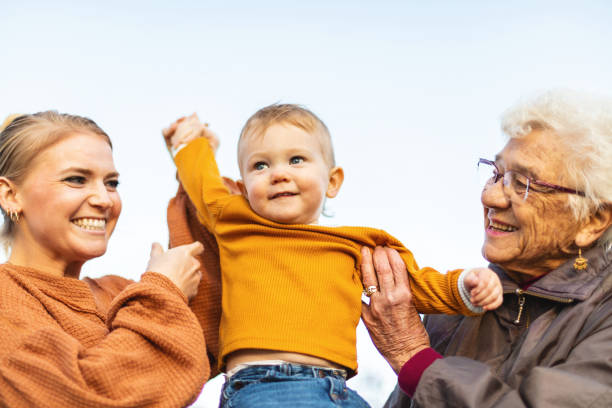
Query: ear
[231,185]
[242,188]
[594,227]
[8,196]
[336,178]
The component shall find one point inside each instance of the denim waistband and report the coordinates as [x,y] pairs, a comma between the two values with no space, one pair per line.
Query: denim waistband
[302,370]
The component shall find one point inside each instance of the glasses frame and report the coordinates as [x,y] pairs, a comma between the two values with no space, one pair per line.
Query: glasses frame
[499,175]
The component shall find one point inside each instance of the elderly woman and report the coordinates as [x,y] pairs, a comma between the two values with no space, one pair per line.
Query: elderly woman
[547,217]
[61,343]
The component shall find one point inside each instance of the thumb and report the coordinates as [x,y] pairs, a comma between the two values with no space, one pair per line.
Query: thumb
[471,280]
[156,249]
[196,248]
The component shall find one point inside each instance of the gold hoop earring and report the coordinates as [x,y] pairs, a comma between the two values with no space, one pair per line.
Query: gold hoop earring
[14,216]
[580,263]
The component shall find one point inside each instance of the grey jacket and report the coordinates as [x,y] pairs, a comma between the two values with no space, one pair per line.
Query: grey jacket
[559,354]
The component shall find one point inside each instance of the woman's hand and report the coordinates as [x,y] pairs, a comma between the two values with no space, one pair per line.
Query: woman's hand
[394,324]
[179,264]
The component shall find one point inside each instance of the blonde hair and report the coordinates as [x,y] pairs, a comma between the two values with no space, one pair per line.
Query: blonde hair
[23,137]
[582,122]
[294,115]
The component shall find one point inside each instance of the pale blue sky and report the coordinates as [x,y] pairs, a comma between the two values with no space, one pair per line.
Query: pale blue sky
[411,92]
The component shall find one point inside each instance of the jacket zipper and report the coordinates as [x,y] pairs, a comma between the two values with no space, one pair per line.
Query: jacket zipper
[521,301]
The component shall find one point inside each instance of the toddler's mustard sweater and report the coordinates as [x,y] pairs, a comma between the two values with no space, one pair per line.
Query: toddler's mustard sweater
[294,287]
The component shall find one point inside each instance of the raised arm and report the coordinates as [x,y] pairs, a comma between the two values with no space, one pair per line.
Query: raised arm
[193,146]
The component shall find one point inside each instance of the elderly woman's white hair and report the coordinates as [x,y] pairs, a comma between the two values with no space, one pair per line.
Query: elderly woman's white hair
[583,124]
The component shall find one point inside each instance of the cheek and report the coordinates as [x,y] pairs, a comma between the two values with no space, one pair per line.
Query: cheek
[549,227]
[117,205]
[255,190]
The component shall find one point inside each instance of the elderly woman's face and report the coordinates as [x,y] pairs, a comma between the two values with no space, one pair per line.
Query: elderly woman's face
[532,236]
[69,200]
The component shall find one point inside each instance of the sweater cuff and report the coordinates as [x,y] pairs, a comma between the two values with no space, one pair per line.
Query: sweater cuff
[411,372]
[175,150]
[465,295]
[162,280]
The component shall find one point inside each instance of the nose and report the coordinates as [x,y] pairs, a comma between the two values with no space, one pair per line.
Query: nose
[279,174]
[494,196]
[100,197]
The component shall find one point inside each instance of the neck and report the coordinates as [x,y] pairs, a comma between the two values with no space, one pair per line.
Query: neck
[524,273]
[22,255]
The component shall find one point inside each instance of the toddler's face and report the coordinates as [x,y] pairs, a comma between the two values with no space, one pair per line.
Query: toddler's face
[285,176]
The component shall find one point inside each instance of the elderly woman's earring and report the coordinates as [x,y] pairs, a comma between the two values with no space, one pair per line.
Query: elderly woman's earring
[14,216]
[580,263]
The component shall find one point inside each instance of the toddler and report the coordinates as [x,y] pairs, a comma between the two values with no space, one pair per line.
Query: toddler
[291,296]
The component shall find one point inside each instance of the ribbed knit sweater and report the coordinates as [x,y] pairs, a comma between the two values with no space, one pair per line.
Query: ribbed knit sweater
[293,287]
[63,345]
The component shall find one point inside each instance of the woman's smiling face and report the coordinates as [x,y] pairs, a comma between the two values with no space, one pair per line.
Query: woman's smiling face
[533,236]
[69,201]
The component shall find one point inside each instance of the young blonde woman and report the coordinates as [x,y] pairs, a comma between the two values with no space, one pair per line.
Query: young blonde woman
[63,342]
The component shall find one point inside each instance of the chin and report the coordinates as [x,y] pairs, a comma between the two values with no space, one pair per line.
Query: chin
[90,252]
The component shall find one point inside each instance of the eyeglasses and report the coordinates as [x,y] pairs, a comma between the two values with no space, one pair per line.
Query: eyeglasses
[521,185]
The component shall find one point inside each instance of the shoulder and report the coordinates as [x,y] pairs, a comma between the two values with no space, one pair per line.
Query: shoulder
[106,288]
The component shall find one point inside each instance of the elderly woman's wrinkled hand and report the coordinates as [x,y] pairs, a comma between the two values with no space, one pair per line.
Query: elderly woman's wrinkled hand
[392,320]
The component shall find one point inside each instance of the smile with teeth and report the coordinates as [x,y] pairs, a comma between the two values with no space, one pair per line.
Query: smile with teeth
[501,227]
[90,224]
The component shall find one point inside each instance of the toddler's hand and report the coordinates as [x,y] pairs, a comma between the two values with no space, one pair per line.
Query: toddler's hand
[484,288]
[185,129]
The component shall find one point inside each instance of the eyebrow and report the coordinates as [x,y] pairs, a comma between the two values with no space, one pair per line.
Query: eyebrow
[520,169]
[87,172]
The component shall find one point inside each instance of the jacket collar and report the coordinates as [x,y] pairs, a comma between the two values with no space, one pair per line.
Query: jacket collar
[565,282]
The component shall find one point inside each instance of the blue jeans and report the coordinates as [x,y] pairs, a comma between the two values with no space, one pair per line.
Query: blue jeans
[288,385]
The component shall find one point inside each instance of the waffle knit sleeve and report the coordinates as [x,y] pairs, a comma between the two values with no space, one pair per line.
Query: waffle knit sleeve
[199,175]
[184,228]
[151,356]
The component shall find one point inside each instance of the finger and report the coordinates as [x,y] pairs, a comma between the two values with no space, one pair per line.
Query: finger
[156,249]
[478,297]
[195,248]
[470,281]
[496,303]
[383,270]
[398,267]
[485,289]
[366,313]
[368,275]
[488,299]
[169,131]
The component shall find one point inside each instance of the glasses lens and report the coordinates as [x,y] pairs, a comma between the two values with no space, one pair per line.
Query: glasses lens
[518,183]
[486,174]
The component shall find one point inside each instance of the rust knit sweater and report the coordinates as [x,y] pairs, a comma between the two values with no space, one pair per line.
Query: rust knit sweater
[62,344]
[293,287]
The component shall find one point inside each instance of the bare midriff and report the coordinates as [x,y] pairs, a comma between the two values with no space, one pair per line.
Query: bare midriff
[251,355]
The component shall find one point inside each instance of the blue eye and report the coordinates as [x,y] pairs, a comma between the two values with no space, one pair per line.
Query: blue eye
[260,166]
[296,160]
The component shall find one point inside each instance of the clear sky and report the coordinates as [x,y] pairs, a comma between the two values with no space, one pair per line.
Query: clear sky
[411,92]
